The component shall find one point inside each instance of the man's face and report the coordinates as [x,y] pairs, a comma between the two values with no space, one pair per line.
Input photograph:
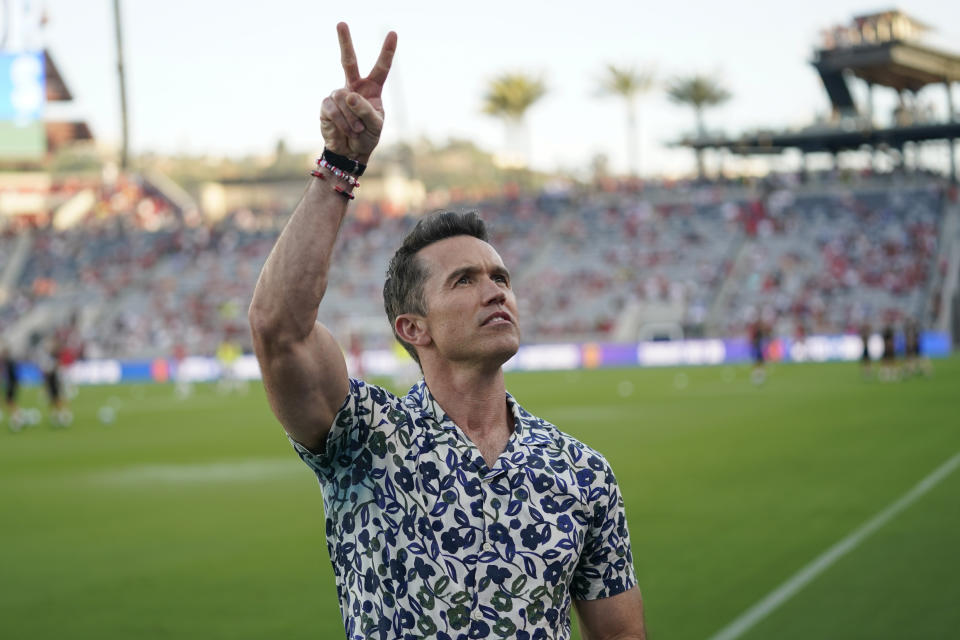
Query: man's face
[471,307]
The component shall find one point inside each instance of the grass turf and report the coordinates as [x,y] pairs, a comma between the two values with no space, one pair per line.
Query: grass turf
[193,518]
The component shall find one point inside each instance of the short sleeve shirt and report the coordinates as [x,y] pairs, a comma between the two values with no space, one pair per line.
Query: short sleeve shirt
[427,541]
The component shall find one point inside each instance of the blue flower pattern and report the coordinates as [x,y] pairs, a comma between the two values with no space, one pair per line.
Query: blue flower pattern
[427,541]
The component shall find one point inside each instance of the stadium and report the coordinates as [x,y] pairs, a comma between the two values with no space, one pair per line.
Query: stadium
[762,345]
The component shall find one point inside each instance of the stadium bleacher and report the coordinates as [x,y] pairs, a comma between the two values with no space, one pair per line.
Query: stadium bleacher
[590,265]
[829,262]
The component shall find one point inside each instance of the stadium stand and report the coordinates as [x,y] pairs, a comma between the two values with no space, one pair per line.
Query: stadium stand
[829,262]
[592,265]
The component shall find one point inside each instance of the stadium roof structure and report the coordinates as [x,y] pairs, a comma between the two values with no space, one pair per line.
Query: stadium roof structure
[882,49]
[60,134]
[903,66]
[57,90]
[827,139]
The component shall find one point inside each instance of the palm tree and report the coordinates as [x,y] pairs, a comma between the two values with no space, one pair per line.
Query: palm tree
[628,83]
[509,96]
[698,91]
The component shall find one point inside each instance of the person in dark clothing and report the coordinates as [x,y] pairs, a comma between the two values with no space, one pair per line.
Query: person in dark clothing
[11,386]
[914,362]
[866,362]
[888,365]
[47,359]
[758,336]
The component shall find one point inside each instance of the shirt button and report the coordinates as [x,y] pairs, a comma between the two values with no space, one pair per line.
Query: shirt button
[488,546]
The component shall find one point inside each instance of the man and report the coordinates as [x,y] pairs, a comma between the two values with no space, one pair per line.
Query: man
[757,345]
[47,358]
[228,353]
[915,362]
[450,512]
[888,361]
[866,362]
[11,386]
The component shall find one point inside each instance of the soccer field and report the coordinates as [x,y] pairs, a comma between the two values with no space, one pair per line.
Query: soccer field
[194,518]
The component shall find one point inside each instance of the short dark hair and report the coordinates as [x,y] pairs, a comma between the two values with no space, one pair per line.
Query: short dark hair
[403,288]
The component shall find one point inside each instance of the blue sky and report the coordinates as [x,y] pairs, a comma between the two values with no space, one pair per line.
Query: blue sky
[211,76]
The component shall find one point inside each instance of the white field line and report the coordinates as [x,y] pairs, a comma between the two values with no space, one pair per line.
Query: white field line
[251,470]
[788,589]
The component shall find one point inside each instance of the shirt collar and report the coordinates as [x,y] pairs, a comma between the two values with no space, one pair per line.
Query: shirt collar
[529,430]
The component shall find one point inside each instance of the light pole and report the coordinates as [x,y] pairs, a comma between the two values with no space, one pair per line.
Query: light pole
[123,87]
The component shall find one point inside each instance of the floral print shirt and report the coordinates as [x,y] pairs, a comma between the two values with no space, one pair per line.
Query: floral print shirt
[427,541]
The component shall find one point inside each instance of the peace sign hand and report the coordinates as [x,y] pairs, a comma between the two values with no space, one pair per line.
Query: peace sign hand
[351,118]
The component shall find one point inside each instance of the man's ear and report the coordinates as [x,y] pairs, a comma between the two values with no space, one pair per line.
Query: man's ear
[412,329]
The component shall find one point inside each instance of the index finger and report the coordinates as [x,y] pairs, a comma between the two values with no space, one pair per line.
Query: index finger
[380,70]
[348,57]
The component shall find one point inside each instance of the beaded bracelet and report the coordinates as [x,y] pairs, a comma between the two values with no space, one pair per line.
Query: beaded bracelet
[346,177]
[346,194]
[343,162]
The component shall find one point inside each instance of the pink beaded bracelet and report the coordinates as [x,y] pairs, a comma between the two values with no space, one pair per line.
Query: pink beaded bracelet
[346,177]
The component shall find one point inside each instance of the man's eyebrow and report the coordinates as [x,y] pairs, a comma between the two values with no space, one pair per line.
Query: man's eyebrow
[469,270]
[502,271]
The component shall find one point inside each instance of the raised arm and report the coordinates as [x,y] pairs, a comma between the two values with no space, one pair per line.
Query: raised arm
[303,368]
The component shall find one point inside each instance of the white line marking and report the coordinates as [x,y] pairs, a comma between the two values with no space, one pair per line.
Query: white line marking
[198,473]
[788,589]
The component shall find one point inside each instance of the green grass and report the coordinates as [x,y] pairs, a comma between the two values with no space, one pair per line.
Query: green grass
[194,518]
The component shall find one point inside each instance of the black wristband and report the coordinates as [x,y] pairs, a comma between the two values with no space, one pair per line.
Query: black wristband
[343,162]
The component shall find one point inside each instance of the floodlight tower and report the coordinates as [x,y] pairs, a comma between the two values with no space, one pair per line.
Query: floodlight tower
[123,87]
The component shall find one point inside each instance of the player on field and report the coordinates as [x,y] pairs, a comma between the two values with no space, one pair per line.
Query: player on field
[11,386]
[888,361]
[228,355]
[451,512]
[866,363]
[758,336]
[914,361]
[47,358]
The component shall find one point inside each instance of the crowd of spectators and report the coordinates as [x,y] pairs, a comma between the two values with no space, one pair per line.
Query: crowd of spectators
[618,249]
[137,280]
[833,261]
